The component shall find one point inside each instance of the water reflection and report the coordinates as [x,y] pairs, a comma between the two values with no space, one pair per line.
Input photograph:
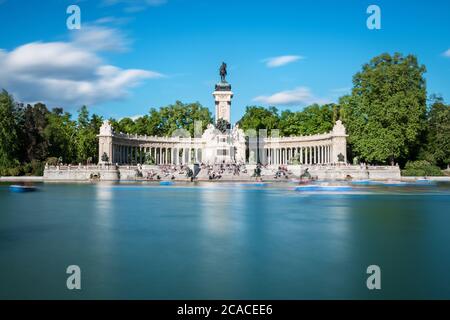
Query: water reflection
[102,246]
[104,197]
[219,210]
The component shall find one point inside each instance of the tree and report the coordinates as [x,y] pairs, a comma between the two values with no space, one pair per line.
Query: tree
[436,148]
[183,116]
[385,114]
[35,144]
[257,118]
[86,135]
[126,125]
[61,134]
[8,131]
[314,119]
[166,120]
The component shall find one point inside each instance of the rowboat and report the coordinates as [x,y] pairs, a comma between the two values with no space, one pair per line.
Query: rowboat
[312,187]
[20,189]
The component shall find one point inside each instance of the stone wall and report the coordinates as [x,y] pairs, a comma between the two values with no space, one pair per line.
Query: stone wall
[324,172]
[340,172]
[81,173]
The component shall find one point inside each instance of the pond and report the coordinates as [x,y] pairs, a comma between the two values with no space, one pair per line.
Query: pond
[224,241]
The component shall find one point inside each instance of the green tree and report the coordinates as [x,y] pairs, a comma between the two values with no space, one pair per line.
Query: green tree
[314,119]
[86,136]
[35,144]
[126,125]
[257,118]
[436,148]
[183,116]
[8,131]
[385,114]
[166,120]
[61,134]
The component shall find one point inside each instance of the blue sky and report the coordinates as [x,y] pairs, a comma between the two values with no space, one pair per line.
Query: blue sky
[131,55]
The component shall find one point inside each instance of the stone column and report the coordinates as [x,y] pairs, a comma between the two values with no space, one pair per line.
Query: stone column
[323,155]
[300,155]
[316,155]
[328,154]
[320,154]
[309,155]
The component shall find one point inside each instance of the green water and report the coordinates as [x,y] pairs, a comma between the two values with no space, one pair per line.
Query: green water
[224,241]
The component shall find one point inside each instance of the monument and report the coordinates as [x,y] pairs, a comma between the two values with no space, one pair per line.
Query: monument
[124,155]
[223,95]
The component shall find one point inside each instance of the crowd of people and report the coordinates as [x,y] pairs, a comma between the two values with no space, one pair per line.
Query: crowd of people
[214,172]
[217,171]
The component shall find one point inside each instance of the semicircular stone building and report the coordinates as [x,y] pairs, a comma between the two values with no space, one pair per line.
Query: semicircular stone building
[214,147]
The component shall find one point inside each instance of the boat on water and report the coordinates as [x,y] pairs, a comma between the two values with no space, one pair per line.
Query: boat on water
[365,182]
[394,183]
[425,181]
[319,187]
[255,184]
[166,183]
[20,189]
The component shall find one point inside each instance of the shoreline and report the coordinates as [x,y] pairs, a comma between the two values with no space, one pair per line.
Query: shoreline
[240,180]
[22,179]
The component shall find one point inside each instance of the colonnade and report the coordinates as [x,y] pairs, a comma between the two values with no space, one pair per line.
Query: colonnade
[320,154]
[159,155]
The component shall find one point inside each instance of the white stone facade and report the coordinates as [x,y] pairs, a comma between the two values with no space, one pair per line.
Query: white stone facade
[223,104]
[214,147]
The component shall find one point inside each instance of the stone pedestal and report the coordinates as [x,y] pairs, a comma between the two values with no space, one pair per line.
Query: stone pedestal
[105,143]
[222,96]
[339,141]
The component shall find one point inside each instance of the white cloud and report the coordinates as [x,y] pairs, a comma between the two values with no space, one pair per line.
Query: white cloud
[447,53]
[275,62]
[299,95]
[135,5]
[113,20]
[67,74]
[99,38]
